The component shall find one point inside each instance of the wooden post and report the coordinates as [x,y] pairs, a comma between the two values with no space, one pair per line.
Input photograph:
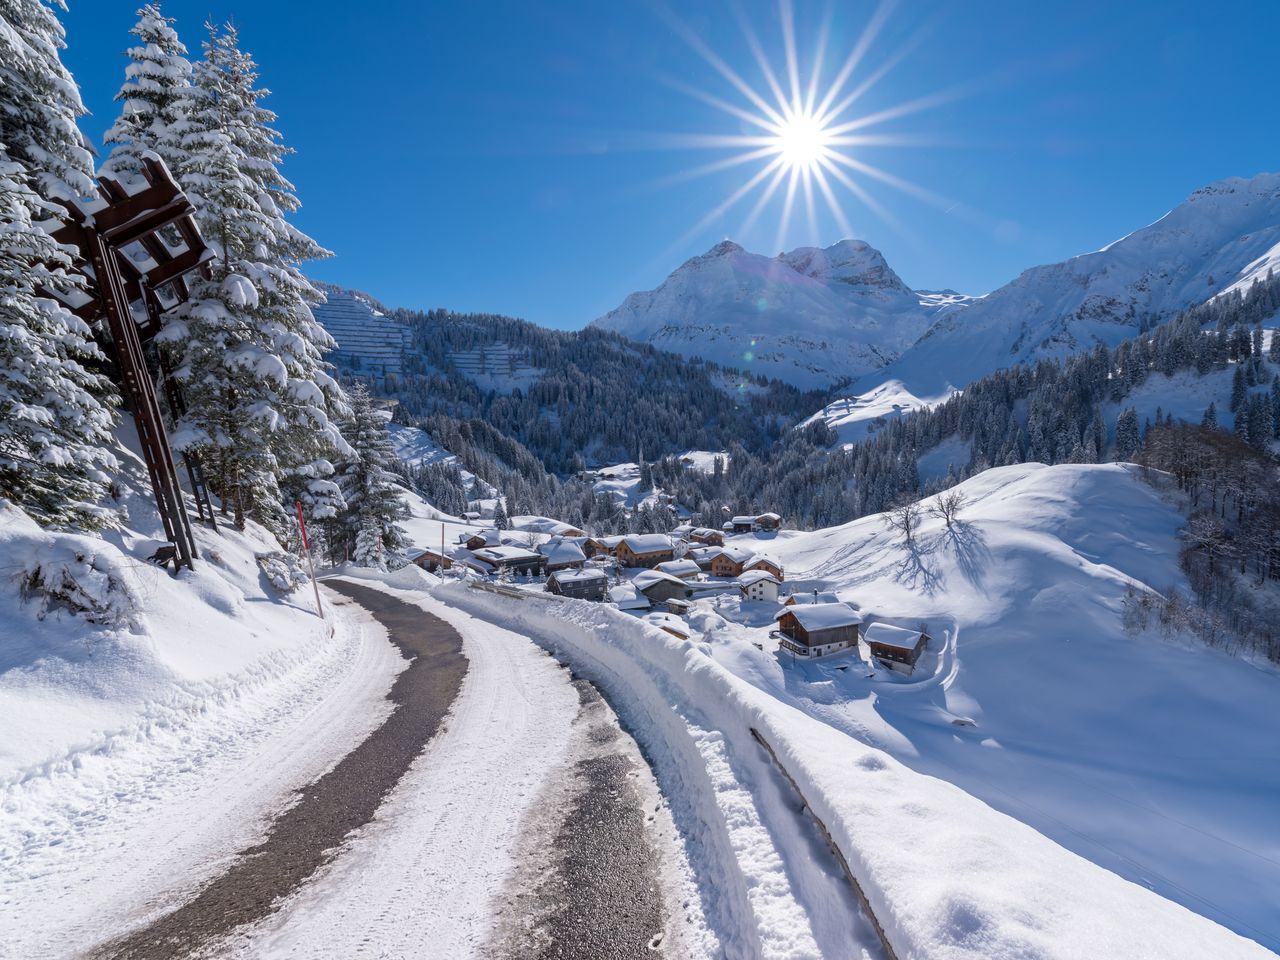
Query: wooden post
[311,564]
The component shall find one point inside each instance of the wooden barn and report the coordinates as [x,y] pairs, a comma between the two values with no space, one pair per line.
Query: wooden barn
[579,584]
[481,539]
[818,629]
[645,550]
[432,561]
[898,648]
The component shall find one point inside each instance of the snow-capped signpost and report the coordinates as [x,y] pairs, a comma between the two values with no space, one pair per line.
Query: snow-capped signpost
[127,260]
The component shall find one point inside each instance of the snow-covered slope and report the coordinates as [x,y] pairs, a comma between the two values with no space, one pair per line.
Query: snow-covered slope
[1222,234]
[369,342]
[1152,757]
[811,317]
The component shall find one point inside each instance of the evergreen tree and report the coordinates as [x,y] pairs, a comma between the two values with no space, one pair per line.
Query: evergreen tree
[374,502]
[247,347]
[1210,418]
[155,87]
[55,413]
[1239,390]
[1127,439]
[500,521]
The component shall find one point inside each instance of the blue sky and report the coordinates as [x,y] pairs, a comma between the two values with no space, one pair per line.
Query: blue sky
[506,157]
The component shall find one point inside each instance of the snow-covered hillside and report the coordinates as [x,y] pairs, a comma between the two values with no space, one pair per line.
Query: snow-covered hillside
[1222,234]
[810,317]
[1146,755]
[369,342]
[1044,786]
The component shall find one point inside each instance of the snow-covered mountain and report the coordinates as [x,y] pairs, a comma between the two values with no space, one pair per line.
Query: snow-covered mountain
[811,317]
[1223,234]
[815,317]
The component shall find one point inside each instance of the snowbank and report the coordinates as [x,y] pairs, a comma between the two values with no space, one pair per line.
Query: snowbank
[947,875]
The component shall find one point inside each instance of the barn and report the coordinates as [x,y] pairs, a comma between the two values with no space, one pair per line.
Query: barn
[818,629]
[431,561]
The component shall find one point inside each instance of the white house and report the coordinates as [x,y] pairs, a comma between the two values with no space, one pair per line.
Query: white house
[759,585]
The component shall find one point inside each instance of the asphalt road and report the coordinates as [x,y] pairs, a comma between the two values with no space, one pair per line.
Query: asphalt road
[303,837]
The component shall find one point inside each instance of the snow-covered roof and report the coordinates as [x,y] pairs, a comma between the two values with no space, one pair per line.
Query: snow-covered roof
[755,576]
[669,621]
[736,554]
[612,540]
[549,525]
[647,542]
[768,516]
[763,558]
[505,554]
[562,551]
[626,597]
[677,567]
[737,520]
[703,532]
[823,616]
[647,578]
[578,576]
[492,538]
[888,635]
[808,599]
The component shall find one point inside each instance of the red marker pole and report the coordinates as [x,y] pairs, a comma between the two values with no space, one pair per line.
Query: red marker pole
[311,564]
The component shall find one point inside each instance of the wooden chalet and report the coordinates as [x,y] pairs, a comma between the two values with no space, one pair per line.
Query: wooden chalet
[767,564]
[516,561]
[898,648]
[432,561]
[562,553]
[644,550]
[729,561]
[580,584]
[659,587]
[764,522]
[706,536]
[818,629]
[480,539]
[683,568]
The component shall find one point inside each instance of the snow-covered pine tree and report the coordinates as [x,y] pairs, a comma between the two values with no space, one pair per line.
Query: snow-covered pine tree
[55,412]
[155,86]
[248,351]
[1210,418]
[1127,437]
[374,502]
[500,521]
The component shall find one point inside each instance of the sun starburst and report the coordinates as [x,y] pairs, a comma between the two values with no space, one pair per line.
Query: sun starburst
[804,133]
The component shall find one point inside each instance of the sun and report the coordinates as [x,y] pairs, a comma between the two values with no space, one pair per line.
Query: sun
[802,142]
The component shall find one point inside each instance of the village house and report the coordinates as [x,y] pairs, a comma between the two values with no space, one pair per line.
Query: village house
[684,568]
[768,522]
[706,536]
[703,557]
[516,561]
[562,553]
[547,526]
[579,584]
[818,629]
[481,538]
[898,648]
[471,516]
[762,562]
[660,587]
[759,585]
[763,522]
[432,561]
[602,546]
[729,561]
[644,550]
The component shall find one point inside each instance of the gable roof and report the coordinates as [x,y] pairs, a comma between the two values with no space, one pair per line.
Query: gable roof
[578,576]
[669,621]
[626,597]
[560,550]
[763,558]
[505,554]
[677,567]
[809,598]
[736,554]
[823,616]
[647,578]
[755,576]
[647,542]
[888,635]
[492,538]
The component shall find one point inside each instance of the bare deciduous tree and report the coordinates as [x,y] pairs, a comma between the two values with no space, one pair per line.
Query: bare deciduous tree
[904,519]
[948,505]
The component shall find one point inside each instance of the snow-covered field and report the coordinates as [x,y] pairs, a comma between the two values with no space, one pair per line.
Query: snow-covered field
[859,416]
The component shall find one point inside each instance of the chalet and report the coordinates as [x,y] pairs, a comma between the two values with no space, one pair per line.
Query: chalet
[729,561]
[513,560]
[562,553]
[818,629]
[765,563]
[601,546]
[580,584]
[432,561]
[768,521]
[682,532]
[658,587]
[759,522]
[625,597]
[644,550]
[685,568]
[759,585]
[808,599]
[898,648]
[482,538]
[670,623]
[471,516]
[703,557]
[546,525]
[706,536]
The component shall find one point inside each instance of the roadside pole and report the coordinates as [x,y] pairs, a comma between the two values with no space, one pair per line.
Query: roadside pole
[311,564]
